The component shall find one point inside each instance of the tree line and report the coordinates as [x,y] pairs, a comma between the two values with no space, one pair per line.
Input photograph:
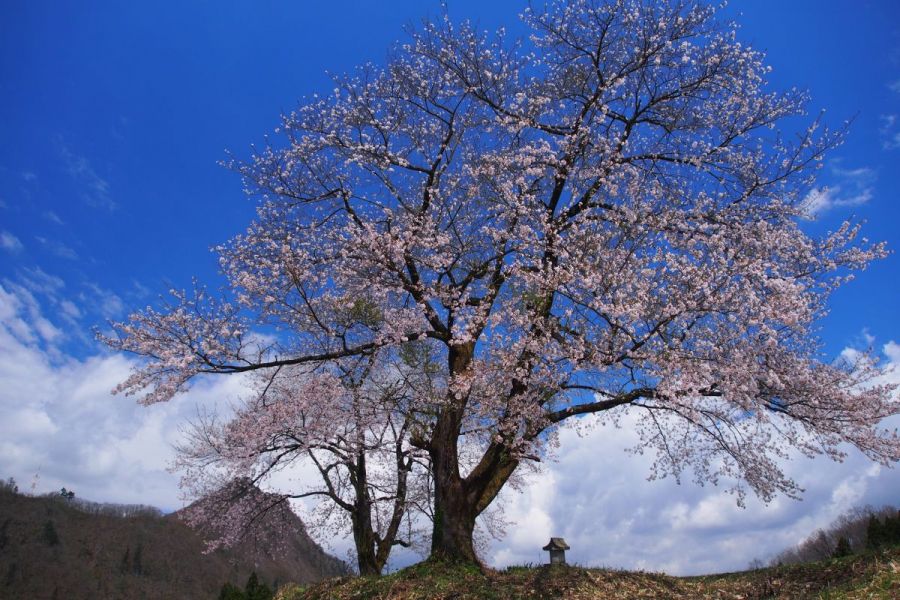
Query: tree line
[857,530]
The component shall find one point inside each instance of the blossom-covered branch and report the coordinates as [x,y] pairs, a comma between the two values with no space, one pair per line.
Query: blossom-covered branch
[601,218]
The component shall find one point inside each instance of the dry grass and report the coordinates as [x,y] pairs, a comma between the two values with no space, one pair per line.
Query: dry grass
[874,575]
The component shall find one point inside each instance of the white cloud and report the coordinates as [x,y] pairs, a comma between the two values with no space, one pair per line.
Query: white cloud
[69,308]
[21,313]
[107,303]
[58,417]
[36,288]
[894,86]
[531,510]
[598,498]
[10,242]
[39,281]
[854,188]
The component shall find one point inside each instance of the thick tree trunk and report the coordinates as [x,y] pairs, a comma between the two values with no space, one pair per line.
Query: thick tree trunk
[454,516]
[458,501]
[366,560]
[454,508]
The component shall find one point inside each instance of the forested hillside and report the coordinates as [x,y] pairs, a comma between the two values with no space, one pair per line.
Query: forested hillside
[54,548]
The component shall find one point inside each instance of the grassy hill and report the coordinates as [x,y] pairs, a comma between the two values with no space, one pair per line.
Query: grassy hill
[872,575]
[52,548]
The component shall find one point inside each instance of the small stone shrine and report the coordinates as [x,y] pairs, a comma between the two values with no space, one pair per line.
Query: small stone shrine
[557,549]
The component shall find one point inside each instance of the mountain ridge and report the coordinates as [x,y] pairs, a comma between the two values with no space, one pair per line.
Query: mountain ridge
[50,548]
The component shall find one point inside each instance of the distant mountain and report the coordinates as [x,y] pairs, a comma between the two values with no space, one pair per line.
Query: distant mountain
[61,549]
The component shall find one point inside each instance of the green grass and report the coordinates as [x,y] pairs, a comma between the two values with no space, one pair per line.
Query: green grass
[871,575]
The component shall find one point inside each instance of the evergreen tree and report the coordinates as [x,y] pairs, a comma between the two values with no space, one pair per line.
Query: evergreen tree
[231,592]
[137,567]
[891,530]
[49,535]
[124,566]
[255,590]
[4,536]
[843,548]
[874,533]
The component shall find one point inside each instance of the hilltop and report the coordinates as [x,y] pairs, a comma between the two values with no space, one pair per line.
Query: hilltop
[870,575]
[54,548]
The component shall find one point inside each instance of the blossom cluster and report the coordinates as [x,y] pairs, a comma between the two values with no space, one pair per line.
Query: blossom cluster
[601,218]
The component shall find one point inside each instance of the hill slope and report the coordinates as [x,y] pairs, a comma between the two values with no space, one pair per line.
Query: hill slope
[51,549]
[875,575]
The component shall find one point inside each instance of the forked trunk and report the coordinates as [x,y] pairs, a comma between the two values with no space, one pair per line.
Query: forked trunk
[458,501]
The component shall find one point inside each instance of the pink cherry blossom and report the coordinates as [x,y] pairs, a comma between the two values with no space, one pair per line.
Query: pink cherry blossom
[602,218]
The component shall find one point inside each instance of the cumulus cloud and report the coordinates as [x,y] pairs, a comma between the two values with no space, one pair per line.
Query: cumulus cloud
[854,187]
[599,499]
[58,418]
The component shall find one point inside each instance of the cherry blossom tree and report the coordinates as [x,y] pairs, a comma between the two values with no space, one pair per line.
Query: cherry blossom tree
[603,218]
[351,425]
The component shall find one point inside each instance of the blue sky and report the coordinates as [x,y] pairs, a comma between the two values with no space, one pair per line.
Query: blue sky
[114,115]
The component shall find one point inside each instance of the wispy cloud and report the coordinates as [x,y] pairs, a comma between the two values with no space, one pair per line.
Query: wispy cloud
[53,217]
[139,290]
[10,243]
[38,280]
[890,132]
[853,187]
[70,308]
[57,248]
[22,311]
[894,86]
[29,176]
[106,302]
[95,189]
